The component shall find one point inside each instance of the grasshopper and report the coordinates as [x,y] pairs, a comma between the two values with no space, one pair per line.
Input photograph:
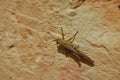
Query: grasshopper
[74,48]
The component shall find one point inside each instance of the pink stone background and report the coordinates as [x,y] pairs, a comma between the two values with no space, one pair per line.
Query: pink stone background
[26,55]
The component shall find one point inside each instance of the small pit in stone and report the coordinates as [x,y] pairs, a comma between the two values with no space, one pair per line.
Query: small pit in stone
[119,6]
[72,14]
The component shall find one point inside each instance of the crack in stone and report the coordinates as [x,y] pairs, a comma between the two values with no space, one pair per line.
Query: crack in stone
[76,4]
[98,45]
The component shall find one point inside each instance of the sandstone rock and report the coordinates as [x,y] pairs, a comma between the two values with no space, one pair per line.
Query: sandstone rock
[26,55]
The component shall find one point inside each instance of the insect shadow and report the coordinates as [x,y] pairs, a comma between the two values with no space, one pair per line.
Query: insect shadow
[68,53]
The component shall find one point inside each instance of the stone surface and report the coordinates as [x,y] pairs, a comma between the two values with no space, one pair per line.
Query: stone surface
[25,53]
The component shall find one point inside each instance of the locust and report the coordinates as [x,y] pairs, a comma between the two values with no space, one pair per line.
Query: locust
[74,48]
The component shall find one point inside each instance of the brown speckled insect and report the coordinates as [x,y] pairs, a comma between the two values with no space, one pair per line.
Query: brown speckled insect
[74,48]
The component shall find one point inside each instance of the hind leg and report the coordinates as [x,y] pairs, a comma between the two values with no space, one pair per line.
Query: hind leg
[72,38]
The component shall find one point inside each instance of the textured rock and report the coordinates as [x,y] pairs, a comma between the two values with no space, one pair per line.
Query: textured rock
[25,53]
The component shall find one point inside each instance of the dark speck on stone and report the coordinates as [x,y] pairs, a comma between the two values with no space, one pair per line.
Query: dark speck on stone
[119,6]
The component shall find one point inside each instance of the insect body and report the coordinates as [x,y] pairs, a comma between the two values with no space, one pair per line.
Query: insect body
[68,44]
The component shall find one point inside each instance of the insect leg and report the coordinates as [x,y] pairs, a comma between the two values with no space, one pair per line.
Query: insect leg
[72,38]
[76,55]
[62,33]
[69,39]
